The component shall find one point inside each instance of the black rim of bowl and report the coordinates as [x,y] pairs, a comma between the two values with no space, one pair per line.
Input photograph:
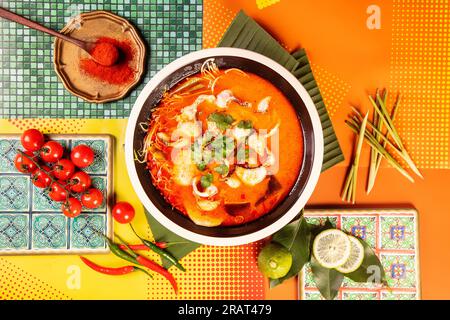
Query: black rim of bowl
[225,62]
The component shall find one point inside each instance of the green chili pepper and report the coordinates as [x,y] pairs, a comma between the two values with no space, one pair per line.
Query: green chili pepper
[160,251]
[115,249]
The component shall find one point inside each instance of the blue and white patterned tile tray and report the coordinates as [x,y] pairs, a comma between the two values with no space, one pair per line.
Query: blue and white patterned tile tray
[393,234]
[31,223]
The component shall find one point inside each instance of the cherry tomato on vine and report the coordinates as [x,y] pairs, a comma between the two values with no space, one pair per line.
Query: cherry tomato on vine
[51,151]
[92,199]
[71,208]
[63,169]
[82,156]
[123,212]
[32,139]
[41,177]
[80,182]
[24,164]
[58,191]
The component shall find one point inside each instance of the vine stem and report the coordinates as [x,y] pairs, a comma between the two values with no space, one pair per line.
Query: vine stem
[51,178]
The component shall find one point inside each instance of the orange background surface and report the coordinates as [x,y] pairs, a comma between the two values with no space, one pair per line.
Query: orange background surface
[409,54]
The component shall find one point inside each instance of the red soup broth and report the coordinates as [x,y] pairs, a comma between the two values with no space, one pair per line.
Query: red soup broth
[254,118]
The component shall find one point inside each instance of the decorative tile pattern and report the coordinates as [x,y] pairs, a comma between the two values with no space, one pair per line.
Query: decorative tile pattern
[99,146]
[29,86]
[14,193]
[396,232]
[400,270]
[30,222]
[321,220]
[84,231]
[388,295]
[362,227]
[42,202]
[49,231]
[13,231]
[359,295]
[8,151]
[313,295]
[101,184]
[392,234]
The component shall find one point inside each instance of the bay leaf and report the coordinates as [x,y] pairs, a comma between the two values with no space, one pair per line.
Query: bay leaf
[296,237]
[371,269]
[328,281]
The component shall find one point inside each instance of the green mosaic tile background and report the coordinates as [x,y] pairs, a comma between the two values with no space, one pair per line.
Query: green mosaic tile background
[29,86]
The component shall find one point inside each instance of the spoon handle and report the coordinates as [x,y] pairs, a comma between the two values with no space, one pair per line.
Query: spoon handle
[34,25]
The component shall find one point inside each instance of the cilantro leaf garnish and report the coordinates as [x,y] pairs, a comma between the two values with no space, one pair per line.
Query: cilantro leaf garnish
[245,124]
[206,180]
[222,120]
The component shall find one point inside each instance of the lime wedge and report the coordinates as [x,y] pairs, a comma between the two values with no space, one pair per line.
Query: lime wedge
[331,248]
[356,257]
[274,261]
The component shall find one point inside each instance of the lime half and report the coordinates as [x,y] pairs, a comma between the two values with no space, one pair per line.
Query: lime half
[331,248]
[274,261]
[356,256]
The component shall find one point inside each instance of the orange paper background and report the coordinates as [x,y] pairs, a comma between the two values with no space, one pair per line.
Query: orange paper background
[408,54]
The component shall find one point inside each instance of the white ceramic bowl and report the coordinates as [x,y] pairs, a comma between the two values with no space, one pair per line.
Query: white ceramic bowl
[312,159]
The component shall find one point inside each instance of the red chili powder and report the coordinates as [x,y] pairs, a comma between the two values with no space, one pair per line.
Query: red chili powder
[105,53]
[120,72]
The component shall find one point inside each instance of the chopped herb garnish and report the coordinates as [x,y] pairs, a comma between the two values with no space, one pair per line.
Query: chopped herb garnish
[222,169]
[201,166]
[222,146]
[245,124]
[222,120]
[206,180]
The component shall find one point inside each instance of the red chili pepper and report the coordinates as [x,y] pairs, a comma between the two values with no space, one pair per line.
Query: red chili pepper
[111,271]
[143,261]
[162,245]
[157,268]
[143,247]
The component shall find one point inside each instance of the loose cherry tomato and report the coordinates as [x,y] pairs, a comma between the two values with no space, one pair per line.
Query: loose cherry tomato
[41,177]
[32,139]
[82,156]
[123,212]
[24,164]
[71,208]
[51,151]
[58,191]
[80,182]
[92,199]
[63,169]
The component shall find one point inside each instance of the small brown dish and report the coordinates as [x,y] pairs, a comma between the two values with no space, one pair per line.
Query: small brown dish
[89,27]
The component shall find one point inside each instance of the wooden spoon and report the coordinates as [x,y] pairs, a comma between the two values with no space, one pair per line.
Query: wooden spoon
[86,46]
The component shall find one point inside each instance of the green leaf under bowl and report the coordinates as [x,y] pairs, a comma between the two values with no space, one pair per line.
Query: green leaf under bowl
[162,234]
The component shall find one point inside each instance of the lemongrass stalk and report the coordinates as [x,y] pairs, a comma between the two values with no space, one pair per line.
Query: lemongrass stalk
[375,144]
[344,194]
[401,152]
[382,111]
[349,192]
[358,154]
[374,154]
[393,115]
